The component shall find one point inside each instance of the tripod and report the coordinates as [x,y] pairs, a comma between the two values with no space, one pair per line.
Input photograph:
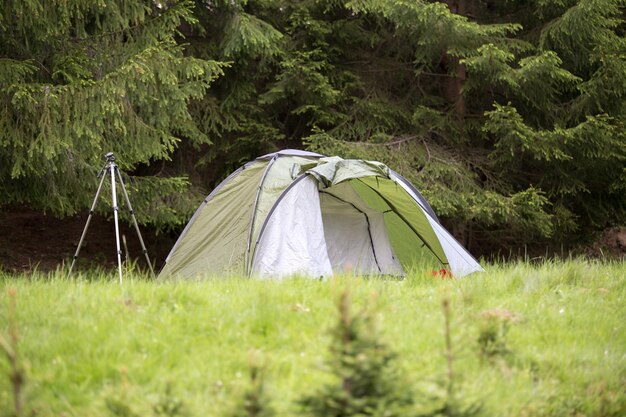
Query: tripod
[110,167]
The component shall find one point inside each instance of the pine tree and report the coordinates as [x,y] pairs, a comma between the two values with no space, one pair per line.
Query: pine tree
[83,77]
[255,402]
[565,110]
[232,114]
[356,79]
[406,106]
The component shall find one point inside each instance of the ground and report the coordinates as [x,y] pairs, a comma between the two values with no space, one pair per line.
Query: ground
[30,239]
[610,243]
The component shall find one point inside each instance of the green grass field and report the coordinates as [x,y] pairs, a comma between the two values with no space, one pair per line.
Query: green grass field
[544,340]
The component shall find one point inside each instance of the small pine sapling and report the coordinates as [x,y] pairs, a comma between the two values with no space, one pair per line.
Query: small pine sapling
[9,346]
[169,405]
[448,403]
[494,326]
[366,380]
[254,402]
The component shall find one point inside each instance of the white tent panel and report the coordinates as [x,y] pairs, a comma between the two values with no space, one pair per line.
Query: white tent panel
[292,242]
[347,239]
[356,239]
[460,261]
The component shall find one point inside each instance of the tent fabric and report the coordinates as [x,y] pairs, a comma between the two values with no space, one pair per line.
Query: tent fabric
[356,235]
[402,204]
[350,243]
[293,241]
[300,213]
[199,210]
[447,250]
[460,261]
[217,237]
[278,178]
[334,170]
[411,190]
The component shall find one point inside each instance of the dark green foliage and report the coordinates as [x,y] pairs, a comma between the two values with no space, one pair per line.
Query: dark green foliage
[81,78]
[518,182]
[508,115]
[366,382]
[255,402]
[499,131]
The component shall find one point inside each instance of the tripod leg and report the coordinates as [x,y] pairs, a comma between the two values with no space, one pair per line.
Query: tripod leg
[132,213]
[117,228]
[82,237]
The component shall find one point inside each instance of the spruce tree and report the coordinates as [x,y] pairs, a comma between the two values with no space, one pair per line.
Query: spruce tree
[246,35]
[508,115]
[80,78]
[367,79]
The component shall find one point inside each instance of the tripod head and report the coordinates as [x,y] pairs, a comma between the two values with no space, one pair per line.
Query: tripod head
[110,160]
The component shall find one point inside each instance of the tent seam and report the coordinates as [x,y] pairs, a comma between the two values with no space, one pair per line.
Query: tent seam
[423,204]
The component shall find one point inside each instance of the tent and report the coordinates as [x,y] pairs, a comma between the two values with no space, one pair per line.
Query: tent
[300,213]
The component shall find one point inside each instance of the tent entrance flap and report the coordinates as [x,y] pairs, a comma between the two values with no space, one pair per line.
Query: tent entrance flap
[356,235]
[348,237]
[403,205]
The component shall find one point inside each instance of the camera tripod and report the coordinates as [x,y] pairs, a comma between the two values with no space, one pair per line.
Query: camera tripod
[110,167]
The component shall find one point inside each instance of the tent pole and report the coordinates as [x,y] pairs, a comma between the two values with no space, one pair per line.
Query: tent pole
[247,260]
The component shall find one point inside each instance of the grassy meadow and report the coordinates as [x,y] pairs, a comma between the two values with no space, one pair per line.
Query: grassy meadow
[527,340]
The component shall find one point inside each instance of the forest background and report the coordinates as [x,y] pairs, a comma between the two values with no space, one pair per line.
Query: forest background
[508,115]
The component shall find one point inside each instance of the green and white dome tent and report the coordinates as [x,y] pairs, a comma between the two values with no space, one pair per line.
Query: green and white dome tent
[300,213]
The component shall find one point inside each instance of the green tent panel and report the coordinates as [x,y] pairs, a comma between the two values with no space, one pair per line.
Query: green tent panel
[216,241]
[402,220]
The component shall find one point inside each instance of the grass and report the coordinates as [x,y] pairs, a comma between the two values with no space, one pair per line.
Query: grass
[528,340]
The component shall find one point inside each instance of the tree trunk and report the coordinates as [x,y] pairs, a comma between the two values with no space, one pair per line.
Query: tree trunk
[455,83]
